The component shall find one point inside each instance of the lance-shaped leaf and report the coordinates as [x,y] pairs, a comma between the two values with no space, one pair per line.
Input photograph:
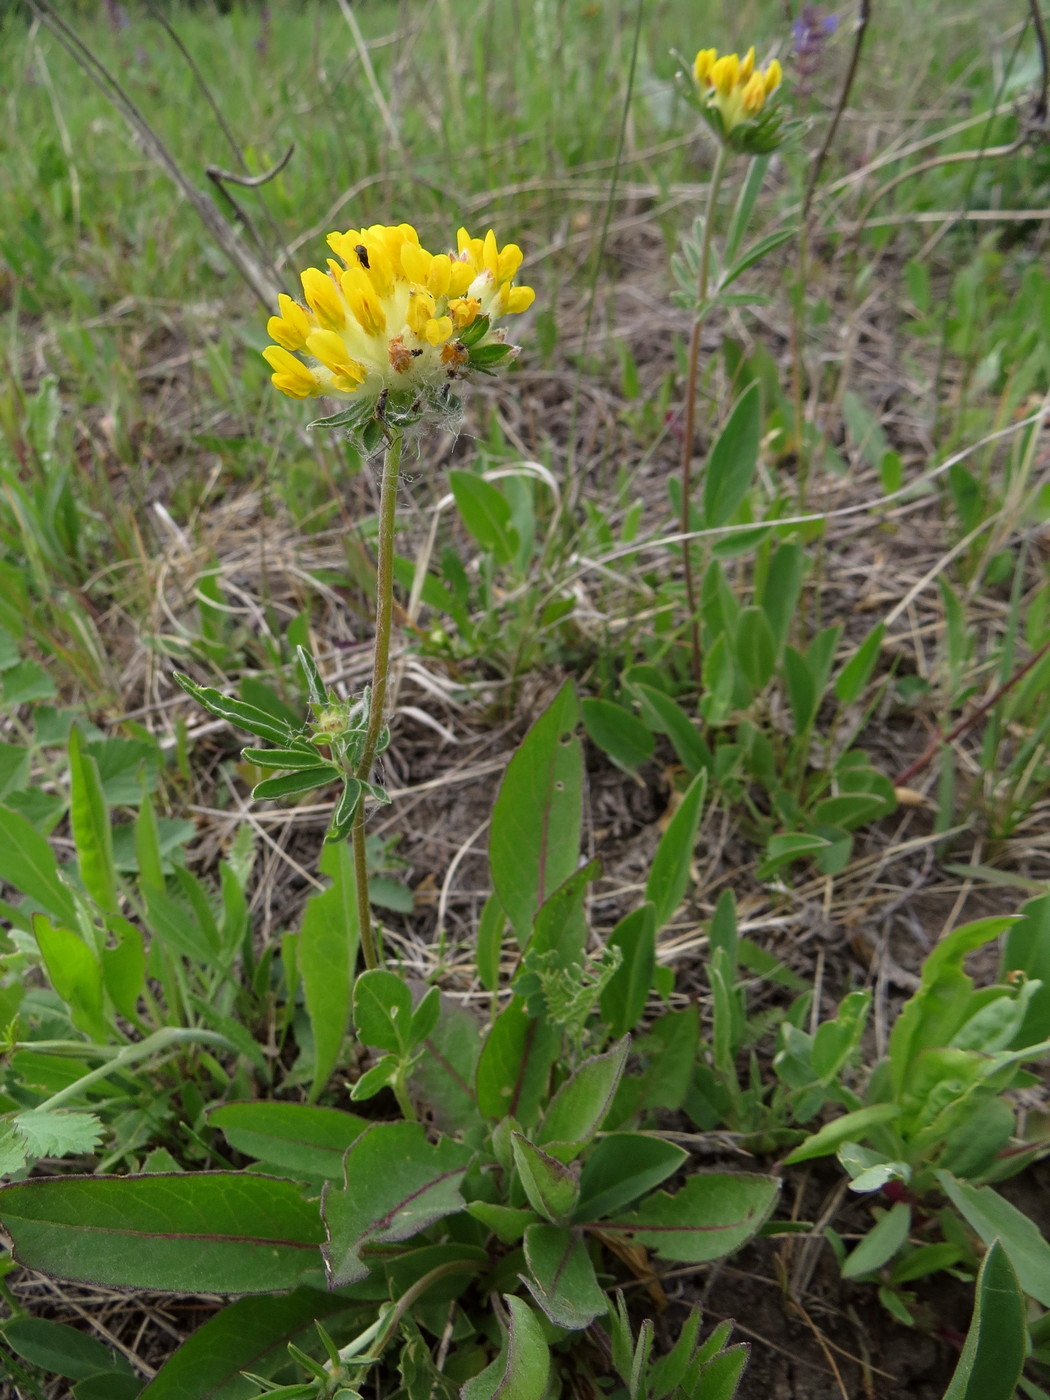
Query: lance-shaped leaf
[515,1064]
[521,1370]
[992,1359]
[561,1277]
[623,1167]
[711,1216]
[210,1232]
[75,973]
[249,1335]
[535,836]
[306,757]
[235,712]
[578,1108]
[89,818]
[270,789]
[552,1188]
[295,1137]
[994,1218]
[396,1183]
[28,864]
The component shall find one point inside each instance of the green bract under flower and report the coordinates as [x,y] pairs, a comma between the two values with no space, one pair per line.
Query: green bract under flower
[392,326]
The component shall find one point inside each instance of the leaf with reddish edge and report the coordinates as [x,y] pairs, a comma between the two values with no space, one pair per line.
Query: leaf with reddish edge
[710,1217]
[209,1232]
[535,836]
[396,1185]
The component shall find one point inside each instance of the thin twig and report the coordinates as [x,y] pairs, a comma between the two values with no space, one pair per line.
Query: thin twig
[1044,60]
[863,18]
[974,717]
[253,273]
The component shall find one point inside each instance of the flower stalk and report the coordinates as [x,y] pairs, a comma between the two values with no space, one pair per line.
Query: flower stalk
[689,423]
[380,673]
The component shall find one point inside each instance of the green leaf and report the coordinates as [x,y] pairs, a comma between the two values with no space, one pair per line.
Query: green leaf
[560,926]
[931,1017]
[515,1064]
[753,255]
[755,647]
[28,865]
[624,996]
[851,1127]
[993,1355]
[1026,949]
[994,1218]
[534,841]
[327,956]
[382,1010]
[58,1133]
[486,514]
[62,1350]
[782,588]
[622,1167]
[211,1232]
[14,767]
[733,458]
[307,757]
[711,1216]
[551,1187]
[235,712]
[787,847]
[618,732]
[802,693]
[881,1242]
[561,1277]
[507,1223]
[665,716]
[849,810]
[521,1370]
[855,674]
[299,1138]
[669,872]
[76,975]
[579,1107]
[271,789]
[124,966]
[396,1184]
[489,941]
[251,1334]
[444,1077]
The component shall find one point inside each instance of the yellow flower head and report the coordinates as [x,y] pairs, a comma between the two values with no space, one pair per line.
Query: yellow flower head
[391,319]
[732,89]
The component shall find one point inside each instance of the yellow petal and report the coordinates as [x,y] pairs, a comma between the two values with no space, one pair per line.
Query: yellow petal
[748,65]
[416,262]
[464,311]
[329,348]
[290,375]
[361,297]
[754,94]
[461,274]
[509,261]
[323,299]
[439,330]
[491,255]
[773,76]
[724,74]
[704,62]
[520,299]
[439,277]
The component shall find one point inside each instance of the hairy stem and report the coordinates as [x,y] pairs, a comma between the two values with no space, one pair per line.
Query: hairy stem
[380,668]
[689,423]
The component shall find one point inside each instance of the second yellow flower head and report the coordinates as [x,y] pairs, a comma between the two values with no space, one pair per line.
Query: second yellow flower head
[733,87]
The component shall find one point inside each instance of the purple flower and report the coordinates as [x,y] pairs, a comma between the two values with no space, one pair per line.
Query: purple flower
[811,32]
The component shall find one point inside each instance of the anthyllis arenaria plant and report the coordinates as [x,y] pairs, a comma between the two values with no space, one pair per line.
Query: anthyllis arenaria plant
[393,327]
[735,99]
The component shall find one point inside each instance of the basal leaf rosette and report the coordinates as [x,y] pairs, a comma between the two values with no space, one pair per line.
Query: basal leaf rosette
[735,98]
[393,327]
